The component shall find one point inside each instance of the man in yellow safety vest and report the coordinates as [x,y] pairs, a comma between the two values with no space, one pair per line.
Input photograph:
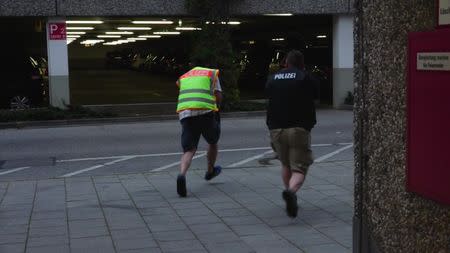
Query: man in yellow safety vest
[198,100]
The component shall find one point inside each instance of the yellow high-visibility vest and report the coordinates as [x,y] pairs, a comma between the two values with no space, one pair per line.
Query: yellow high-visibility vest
[197,90]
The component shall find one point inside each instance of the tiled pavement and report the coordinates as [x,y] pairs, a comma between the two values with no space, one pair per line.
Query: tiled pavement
[239,211]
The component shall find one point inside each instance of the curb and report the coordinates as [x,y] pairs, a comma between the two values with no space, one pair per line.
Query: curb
[118,120]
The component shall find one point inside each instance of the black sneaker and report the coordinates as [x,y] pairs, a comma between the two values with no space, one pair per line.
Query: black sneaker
[291,203]
[181,185]
[215,173]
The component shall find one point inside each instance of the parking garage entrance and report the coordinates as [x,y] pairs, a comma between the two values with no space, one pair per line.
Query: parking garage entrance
[137,60]
[23,72]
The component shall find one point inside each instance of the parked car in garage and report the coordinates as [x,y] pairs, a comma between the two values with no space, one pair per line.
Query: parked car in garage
[139,60]
[24,82]
[118,59]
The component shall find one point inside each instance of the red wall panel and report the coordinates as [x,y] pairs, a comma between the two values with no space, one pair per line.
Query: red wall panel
[428,164]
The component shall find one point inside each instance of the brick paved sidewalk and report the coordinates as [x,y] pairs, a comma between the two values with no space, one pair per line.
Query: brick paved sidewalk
[239,211]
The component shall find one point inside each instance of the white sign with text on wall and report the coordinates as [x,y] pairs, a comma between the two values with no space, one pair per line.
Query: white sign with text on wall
[444,12]
[438,61]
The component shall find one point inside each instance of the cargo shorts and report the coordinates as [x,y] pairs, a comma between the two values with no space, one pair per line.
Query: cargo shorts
[293,147]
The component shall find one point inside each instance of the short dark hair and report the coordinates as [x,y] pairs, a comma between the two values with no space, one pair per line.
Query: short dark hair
[295,58]
[202,62]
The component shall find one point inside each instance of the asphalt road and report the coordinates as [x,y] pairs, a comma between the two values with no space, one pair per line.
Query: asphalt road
[72,151]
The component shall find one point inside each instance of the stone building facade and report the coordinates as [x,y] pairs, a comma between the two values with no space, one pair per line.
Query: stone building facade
[390,218]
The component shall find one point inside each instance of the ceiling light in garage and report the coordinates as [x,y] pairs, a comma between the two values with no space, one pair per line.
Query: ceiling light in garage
[150,36]
[112,43]
[91,42]
[79,33]
[278,39]
[321,36]
[79,28]
[153,22]
[167,33]
[279,14]
[134,28]
[188,28]
[121,33]
[224,23]
[73,36]
[108,36]
[84,22]
[134,39]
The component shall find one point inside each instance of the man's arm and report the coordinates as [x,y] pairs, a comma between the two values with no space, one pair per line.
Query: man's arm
[218,92]
[314,83]
[219,97]
[267,87]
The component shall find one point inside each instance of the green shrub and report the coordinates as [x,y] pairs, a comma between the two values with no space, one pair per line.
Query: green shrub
[350,99]
[212,44]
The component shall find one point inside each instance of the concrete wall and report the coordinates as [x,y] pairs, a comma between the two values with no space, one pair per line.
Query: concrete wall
[164,7]
[120,7]
[342,58]
[292,6]
[27,8]
[58,70]
[391,219]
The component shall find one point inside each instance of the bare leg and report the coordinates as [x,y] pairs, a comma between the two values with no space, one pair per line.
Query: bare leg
[212,156]
[289,195]
[296,181]
[186,160]
[286,175]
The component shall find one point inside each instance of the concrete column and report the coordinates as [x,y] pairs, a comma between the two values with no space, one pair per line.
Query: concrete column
[342,58]
[58,68]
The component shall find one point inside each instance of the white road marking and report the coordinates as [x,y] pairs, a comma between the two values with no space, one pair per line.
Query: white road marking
[243,149]
[176,153]
[97,166]
[264,148]
[322,145]
[248,159]
[13,170]
[345,143]
[324,157]
[176,163]
[115,157]
[203,153]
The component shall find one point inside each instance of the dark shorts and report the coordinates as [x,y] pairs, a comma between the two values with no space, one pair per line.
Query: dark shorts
[207,125]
